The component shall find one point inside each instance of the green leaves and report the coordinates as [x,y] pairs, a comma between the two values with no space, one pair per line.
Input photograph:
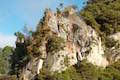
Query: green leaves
[103,15]
[5,60]
[84,71]
[19,35]
[55,44]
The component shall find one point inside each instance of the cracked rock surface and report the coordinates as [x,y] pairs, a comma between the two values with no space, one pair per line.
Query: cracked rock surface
[80,42]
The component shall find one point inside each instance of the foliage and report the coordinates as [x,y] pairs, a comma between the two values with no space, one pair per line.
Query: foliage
[111,72]
[58,11]
[69,74]
[110,43]
[5,60]
[84,71]
[87,71]
[91,72]
[66,61]
[55,44]
[19,58]
[39,37]
[19,35]
[103,15]
[44,75]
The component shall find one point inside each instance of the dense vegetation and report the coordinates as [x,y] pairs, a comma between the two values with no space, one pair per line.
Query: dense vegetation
[12,60]
[5,59]
[103,15]
[84,71]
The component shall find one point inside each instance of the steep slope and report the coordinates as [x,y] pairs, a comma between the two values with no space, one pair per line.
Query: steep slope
[62,40]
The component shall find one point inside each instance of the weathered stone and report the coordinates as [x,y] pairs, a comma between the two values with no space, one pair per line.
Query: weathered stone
[81,42]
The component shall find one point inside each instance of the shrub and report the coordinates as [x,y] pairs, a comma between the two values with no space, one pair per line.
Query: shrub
[84,71]
[69,74]
[103,15]
[44,75]
[110,42]
[55,44]
[39,37]
[66,61]
[5,60]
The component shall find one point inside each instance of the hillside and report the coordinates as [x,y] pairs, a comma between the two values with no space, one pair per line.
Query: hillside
[70,45]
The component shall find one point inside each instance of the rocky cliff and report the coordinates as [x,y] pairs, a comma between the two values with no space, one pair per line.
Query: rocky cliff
[66,40]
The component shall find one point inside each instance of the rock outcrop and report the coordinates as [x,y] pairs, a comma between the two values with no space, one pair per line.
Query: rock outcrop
[116,36]
[114,52]
[80,42]
[32,69]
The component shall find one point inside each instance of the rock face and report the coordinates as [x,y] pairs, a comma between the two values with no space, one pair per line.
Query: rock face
[31,69]
[80,42]
[114,52]
[116,36]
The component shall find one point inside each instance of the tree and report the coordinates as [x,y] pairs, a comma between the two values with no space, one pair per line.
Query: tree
[19,58]
[103,15]
[5,60]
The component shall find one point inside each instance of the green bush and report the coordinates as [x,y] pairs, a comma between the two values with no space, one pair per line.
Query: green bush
[38,38]
[84,71]
[5,60]
[103,15]
[69,74]
[55,44]
[110,42]
[44,75]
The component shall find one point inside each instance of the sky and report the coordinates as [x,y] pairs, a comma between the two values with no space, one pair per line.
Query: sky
[15,14]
